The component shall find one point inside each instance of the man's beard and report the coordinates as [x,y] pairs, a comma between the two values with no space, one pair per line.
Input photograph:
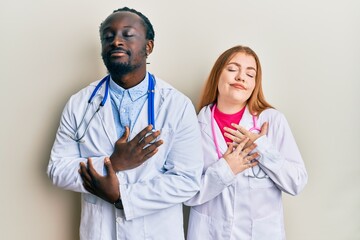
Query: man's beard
[117,68]
[120,68]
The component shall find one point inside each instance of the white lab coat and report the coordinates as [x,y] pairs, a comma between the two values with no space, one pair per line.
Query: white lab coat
[241,206]
[152,194]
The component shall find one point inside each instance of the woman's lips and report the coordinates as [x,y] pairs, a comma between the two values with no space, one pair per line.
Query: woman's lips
[238,86]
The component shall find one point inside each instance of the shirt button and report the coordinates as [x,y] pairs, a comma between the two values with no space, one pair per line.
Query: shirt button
[119,220]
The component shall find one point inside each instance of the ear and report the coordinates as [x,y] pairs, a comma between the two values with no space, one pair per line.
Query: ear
[149,47]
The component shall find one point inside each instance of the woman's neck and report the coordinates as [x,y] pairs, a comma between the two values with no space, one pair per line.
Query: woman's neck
[229,108]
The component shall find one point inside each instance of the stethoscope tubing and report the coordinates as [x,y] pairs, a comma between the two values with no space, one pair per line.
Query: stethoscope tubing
[151,93]
[106,80]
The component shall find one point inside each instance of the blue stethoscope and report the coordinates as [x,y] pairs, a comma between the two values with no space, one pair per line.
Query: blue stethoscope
[255,128]
[106,80]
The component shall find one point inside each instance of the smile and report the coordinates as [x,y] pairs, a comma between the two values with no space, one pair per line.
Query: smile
[238,86]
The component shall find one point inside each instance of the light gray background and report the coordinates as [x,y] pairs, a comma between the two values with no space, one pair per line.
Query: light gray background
[310,55]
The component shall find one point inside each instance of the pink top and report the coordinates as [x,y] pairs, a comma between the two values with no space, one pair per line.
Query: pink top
[225,120]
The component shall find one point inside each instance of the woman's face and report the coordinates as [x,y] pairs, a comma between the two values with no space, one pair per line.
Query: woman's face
[237,79]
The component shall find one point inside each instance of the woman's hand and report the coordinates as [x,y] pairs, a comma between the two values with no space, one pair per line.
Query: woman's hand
[238,156]
[241,133]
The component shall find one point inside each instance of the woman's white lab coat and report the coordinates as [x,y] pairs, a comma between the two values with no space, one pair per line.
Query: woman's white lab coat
[152,194]
[243,207]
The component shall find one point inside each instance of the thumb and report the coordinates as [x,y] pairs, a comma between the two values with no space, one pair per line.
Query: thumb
[125,136]
[109,167]
[264,128]
[229,149]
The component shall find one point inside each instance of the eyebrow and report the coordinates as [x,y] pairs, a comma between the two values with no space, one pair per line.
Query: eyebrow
[109,28]
[248,68]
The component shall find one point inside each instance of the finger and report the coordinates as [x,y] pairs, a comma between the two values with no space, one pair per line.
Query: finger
[252,164]
[235,145]
[140,136]
[229,149]
[240,128]
[125,136]
[109,167]
[89,188]
[251,158]
[149,151]
[233,132]
[233,138]
[149,138]
[86,180]
[241,145]
[264,128]
[248,149]
[150,154]
[91,170]
[84,173]
[152,146]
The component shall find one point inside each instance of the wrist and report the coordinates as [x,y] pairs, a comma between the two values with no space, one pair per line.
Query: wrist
[114,162]
[118,204]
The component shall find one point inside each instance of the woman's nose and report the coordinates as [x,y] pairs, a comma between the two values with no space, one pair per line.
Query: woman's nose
[239,77]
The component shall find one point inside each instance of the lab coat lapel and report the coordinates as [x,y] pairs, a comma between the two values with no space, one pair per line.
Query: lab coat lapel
[141,121]
[105,116]
[246,120]
[205,119]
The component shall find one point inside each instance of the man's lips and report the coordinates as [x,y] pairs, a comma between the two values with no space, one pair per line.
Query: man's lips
[238,86]
[118,53]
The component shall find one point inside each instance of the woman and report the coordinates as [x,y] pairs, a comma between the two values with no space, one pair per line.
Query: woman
[242,181]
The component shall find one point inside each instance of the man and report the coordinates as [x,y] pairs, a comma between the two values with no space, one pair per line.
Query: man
[133,176]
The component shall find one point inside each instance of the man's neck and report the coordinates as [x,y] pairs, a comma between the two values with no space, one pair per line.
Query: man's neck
[130,79]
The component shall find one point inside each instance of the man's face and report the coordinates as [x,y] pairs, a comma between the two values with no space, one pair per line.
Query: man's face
[124,43]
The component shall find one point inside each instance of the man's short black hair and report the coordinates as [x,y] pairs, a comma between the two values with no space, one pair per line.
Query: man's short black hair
[150,33]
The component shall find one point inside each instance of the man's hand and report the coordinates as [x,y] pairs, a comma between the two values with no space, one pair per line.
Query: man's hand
[105,187]
[131,154]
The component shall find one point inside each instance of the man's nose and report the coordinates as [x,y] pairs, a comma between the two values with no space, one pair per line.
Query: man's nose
[118,39]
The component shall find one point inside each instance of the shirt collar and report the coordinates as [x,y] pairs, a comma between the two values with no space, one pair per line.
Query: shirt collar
[135,92]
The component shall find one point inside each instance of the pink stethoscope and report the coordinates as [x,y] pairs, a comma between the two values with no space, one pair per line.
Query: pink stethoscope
[255,128]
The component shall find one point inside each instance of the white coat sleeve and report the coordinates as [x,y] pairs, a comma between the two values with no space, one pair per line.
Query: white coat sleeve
[65,155]
[280,157]
[214,180]
[181,174]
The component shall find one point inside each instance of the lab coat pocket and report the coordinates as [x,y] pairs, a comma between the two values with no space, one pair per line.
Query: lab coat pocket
[166,135]
[90,198]
[154,165]
[267,228]
[258,178]
[202,226]
[90,226]
[199,226]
